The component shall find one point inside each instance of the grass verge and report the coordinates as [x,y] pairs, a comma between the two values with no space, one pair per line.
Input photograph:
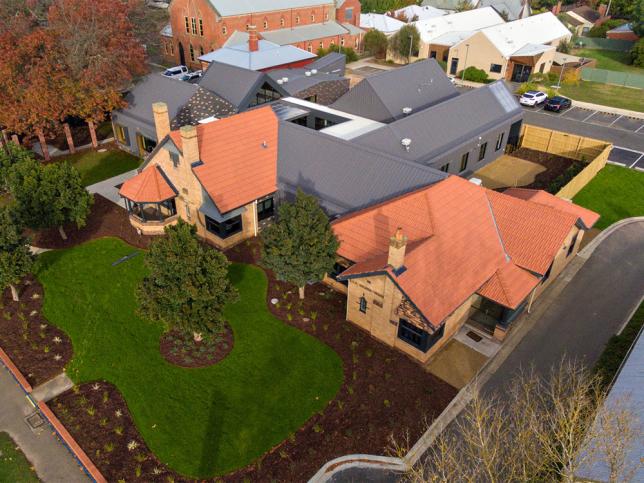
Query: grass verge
[14,466]
[610,60]
[615,193]
[200,422]
[606,95]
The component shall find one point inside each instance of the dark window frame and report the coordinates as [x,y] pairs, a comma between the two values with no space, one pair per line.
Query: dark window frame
[496,68]
[482,150]
[363,304]
[465,158]
[265,208]
[499,141]
[445,168]
[572,245]
[419,338]
[224,229]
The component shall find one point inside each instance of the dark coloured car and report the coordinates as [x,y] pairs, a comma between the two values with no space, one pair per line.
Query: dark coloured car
[557,104]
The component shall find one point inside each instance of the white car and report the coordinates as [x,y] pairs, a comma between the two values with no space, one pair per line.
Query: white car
[533,98]
[176,72]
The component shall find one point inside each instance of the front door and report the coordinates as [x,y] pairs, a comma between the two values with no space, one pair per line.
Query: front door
[182,55]
[521,73]
[453,66]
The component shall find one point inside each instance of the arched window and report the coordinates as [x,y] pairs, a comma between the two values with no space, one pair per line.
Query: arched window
[224,30]
[282,22]
[312,18]
[310,47]
[192,53]
[297,19]
[265,24]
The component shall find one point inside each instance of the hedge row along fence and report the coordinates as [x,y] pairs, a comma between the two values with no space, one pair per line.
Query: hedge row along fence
[592,152]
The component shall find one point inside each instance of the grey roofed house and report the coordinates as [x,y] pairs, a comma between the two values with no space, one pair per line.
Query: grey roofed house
[444,133]
[515,9]
[335,170]
[382,97]
[187,104]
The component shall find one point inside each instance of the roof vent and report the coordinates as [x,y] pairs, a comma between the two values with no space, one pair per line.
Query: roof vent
[476,181]
[284,80]
[307,73]
[280,81]
[264,144]
[406,143]
[406,110]
[314,71]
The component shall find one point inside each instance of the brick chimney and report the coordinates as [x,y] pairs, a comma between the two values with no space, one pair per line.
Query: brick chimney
[253,41]
[161,119]
[602,10]
[397,246]
[556,10]
[189,144]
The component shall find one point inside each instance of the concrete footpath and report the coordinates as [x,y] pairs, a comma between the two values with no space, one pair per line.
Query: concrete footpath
[52,461]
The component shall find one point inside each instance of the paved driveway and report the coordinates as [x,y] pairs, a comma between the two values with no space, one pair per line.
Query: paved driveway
[52,461]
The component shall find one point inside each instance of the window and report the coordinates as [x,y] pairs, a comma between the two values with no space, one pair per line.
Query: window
[297,19]
[321,44]
[499,141]
[282,22]
[171,49]
[445,55]
[174,157]
[363,305]
[226,228]
[432,54]
[265,24]
[201,51]
[120,133]
[348,14]
[342,42]
[541,68]
[152,211]
[464,159]
[187,25]
[265,94]
[547,275]
[194,25]
[310,47]
[312,18]
[192,53]
[265,209]
[313,98]
[326,17]
[482,150]
[496,68]
[201,27]
[417,337]
[571,248]
[445,168]
[224,30]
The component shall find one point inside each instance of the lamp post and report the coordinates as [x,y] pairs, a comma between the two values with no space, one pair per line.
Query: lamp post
[411,44]
[467,49]
[563,66]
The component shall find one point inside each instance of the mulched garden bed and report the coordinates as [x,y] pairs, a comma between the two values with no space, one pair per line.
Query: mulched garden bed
[39,349]
[106,219]
[555,166]
[180,349]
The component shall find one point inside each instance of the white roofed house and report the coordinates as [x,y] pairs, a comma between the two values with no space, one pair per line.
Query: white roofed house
[377,21]
[438,34]
[511,51]
[413,13]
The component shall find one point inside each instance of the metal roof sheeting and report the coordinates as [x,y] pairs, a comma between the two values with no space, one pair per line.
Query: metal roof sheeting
[469,20]
[305,33]
[269,54]
[227,8]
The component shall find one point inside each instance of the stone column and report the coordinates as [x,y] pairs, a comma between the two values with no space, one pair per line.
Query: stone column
[92,133]
[43,144]
[70,139]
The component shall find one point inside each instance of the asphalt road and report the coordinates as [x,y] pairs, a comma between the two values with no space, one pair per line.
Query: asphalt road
[578,324]
[617,136]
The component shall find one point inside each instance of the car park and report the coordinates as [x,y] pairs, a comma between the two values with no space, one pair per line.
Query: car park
[557,104]
[533,98]
[176,72]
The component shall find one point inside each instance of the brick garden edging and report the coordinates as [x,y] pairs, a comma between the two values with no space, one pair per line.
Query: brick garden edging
[62,432]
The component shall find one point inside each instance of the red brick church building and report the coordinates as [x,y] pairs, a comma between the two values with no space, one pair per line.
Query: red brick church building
[201,26]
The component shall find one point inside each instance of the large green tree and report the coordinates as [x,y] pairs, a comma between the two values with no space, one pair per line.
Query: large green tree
[187,286]
[301,246]
[375,42]
[47,196]
[11,155]
[16,259]
[406,41]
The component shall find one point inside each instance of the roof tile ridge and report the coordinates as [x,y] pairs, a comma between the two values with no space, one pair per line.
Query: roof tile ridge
[496,225]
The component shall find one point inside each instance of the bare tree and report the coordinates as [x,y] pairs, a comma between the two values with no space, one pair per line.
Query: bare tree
[533,431]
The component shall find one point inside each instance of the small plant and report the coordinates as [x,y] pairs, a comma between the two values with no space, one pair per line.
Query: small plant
[43,326]
[109,447]
[91,411]
[289,317]
[314,315]
[140,457]
[138,471]
[119,430]
[132,445]
[354,345]
[387,403]
[45,349]
[289,306]
[283,454]
[350,389]
[75,389]
[300,312]
[106,397]
[118,413]
[96,386]
[340,405]
[156,470]
[103,422]
[369,352]
[57,340]
[291,437]
[318,429]
[355,375]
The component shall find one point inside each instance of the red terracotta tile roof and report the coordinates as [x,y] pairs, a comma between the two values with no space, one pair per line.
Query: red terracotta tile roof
[509,286]
[532,233]
[150,185]
[239,156]
[588,217]
[463,239]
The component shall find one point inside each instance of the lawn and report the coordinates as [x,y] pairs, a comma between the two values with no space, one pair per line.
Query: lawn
[95,166]
[606,95]
[14,466]
[200,422]
[615,193]
[610,60]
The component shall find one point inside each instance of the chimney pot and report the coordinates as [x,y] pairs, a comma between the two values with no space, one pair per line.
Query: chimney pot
[161,120]
[253,41]
[397,247]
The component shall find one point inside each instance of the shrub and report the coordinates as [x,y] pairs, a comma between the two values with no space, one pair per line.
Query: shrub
[348,52]
[527,86]
[375,42]
[473,74]
[637,53]
[599,31]
[570,78]
[406,41]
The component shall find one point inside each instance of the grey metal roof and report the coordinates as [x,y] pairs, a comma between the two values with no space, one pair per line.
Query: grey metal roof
[628,393]
[447,125]
[304,33]
[331,69]
[230,82]
[227,8]
[382,97]
[333,62]
[202,104]
[156,88]
[269,54]
[343,176]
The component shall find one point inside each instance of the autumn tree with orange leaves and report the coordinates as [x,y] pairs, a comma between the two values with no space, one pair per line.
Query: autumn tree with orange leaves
[76,63]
